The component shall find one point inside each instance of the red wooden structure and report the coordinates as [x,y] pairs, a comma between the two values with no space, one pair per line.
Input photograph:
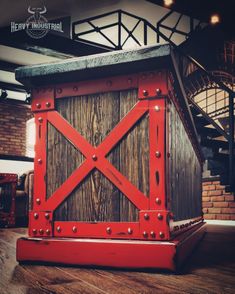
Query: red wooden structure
[7,199]
[162,236]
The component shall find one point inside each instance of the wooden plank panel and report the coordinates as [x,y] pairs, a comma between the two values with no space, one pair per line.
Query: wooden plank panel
[94,116]
[184,169]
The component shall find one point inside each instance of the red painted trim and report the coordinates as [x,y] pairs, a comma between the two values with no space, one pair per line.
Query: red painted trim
[152,84]
[114,253]
[97,86]
[40,161]
[42,99]
[157,154]
[118,230]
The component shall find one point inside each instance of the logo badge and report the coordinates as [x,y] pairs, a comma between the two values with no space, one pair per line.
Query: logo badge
[36,26]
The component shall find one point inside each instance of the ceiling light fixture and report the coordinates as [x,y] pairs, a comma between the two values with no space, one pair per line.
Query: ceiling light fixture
[215,18]
[168,2]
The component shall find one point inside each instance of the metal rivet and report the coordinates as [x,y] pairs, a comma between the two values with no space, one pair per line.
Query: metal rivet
[152,234]
[40,160]
[158,201]
[129,81]
[48,232]
[108,230]
[74,229]
[48,104]
[94,157]
[160,216]
[146,216]
[40,119]
[59,90]
[145,234]
[38,105]
[158,91]
[58,229]
[75,88]
[47,215]
[161,234]
[158,154]
[38,201]
[129,231]
[35,215]
[41,231]
[145,93]
[34,231]
[156,108]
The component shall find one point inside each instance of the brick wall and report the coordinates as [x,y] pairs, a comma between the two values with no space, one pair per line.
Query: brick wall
[216,203]
[13,117]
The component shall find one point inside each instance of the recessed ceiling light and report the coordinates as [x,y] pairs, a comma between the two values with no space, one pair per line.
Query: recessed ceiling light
[215,18]
[168,2]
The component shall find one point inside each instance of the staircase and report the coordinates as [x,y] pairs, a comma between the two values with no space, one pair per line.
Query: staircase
[214,143]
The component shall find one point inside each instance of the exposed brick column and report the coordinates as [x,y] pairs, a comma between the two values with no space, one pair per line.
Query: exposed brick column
[13,118]
[216,203]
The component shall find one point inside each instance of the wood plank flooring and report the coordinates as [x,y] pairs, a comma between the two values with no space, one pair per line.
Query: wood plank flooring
[211,269]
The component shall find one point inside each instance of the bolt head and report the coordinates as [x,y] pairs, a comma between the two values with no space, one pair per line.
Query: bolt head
[129,231]
[34,231]
[75,88]
[58,229]
[145,234]
[74,229]
[145,93]
[157,108]
[38,201]
[94,157]
[161,235]
[38,105]
[48,232]
[41,231]
[108,230]
[158,201]
[59,90]
[158,154]
[158,91]
[40,119]
[146,216]
[35,215]
[47,215]
[39,160]
[48,104]
[152,234]
[160,216]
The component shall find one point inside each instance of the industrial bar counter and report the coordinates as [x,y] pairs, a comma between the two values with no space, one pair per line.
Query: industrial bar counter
[117,162]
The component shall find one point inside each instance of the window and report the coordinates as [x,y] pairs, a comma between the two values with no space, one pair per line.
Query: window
[30,137]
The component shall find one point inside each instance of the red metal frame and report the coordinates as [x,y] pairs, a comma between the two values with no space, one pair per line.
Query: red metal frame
[8,218]
[110,252]
[154,230]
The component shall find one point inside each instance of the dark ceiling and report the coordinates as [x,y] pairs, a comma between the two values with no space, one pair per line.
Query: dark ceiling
[203,9]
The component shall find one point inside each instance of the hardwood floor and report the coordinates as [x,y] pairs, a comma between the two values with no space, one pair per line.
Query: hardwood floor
[211,269]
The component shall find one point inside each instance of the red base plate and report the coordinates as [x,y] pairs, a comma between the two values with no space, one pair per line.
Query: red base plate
[112,253]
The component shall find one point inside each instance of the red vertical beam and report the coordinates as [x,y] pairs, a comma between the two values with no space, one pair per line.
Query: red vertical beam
[157,154]
[40,159]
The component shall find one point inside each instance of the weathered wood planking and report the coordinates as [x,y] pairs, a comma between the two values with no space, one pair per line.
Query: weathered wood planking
[184,171]
[94,117]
